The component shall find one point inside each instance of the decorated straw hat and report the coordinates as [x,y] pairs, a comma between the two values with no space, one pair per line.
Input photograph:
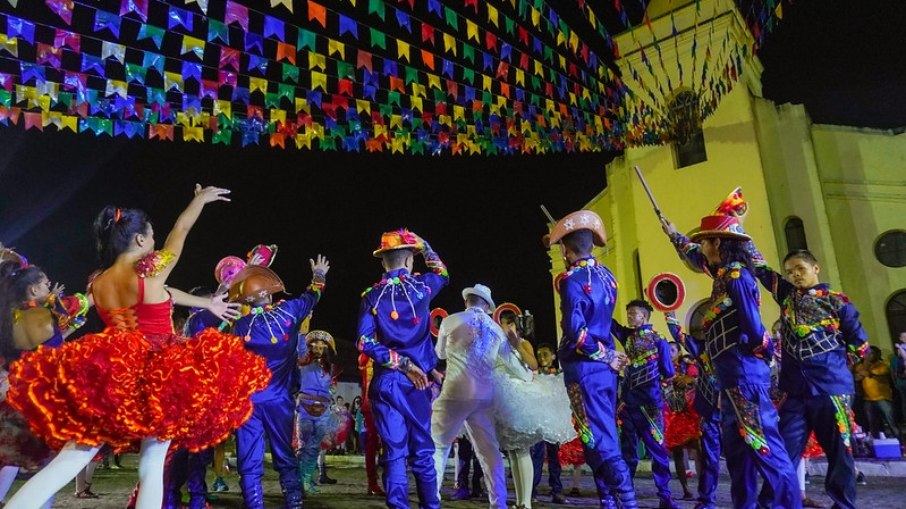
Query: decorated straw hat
[481,291]
[321,335]
[398,239]
[254,282]
[724,227]
[579,220]
[227,268]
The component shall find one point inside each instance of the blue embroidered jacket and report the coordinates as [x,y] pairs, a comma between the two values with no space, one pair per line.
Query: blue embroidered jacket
[649,364]
[272,332]
[588,294]
[735,339]
[819,325]
[394,317]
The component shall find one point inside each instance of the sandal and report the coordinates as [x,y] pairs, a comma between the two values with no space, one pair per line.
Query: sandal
[87,493]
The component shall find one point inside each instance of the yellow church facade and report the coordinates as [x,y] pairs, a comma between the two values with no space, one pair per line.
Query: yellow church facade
[839,191]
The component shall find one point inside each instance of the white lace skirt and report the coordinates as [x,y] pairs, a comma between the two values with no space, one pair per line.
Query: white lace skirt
[527,412]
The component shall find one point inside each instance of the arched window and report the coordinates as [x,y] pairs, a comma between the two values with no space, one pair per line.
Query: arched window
[896,313]
[685,119]
[695,319]
[795,234]
[890,248]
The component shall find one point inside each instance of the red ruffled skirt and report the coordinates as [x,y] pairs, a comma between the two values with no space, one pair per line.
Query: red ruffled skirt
[117,387]
[572,453]
[18,445]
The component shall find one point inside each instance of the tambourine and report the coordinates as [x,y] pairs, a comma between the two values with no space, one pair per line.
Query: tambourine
[506,306]
[435,323]
[666,292]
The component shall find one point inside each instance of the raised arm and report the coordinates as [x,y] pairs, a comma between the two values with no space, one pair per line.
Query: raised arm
[771,280]
[676,331]
[686,249]
[177,237]
[439,277]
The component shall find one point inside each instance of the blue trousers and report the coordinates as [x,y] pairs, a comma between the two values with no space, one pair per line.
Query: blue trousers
[402,415]
[710,451]
[311,431]
[273,419]
[592,390]
[539,451]
[187,469]
[828,417]
[646,423]
[752,443]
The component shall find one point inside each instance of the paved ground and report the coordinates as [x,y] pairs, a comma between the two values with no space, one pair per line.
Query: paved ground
[114,487]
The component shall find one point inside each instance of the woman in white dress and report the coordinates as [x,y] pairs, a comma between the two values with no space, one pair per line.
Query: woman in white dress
[528,409]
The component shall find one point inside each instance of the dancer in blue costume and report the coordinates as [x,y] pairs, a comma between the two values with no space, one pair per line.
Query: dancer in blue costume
[394,330]
[820,329]
[739,349]
[588,356]
[269,330]
[641,412]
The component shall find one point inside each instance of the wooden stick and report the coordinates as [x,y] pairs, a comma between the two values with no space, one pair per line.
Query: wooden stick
[548,214]
[657,210]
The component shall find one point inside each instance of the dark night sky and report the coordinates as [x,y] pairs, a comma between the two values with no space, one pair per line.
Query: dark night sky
[480,213]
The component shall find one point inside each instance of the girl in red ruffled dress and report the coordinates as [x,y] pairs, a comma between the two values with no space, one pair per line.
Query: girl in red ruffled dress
[136,381]
[681,430]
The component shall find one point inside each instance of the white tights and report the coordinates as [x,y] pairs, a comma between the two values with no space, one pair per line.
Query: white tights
[7,476]
[74,457]
[523,476]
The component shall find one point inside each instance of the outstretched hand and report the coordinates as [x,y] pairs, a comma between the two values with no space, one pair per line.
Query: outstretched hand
[211,193]
[57,289]
[226,311]
[320,265]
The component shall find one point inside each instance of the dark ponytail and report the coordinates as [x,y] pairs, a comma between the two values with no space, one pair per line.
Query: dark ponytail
[15,280]
[114,230]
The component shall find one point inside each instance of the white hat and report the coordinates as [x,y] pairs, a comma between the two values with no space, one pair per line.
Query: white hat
[482,291]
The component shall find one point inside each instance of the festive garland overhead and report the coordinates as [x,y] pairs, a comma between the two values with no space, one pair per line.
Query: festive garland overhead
[491,77]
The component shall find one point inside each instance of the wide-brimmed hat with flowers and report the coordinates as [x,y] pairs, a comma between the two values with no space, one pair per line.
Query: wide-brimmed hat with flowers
[399,239]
